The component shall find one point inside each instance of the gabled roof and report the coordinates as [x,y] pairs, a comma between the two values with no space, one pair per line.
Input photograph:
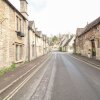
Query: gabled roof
[79,31]
[8,2]
[62,40]
[66,40]
[30,25]
[70,40]
[39,34]
[91,25]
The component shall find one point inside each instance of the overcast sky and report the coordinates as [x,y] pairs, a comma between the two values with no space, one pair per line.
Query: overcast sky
[61,16]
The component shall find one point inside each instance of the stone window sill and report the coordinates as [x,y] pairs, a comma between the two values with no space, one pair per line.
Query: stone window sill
[19,61]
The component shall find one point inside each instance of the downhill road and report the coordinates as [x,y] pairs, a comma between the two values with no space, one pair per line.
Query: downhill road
[61,77]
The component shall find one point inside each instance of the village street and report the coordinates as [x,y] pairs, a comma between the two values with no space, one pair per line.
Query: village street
[46,53]
[60,77]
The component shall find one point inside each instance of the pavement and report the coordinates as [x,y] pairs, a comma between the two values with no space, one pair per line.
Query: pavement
[9,77]
[60,77]
[89,60]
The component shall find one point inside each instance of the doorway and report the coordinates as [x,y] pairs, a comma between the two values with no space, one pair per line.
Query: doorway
[93,48]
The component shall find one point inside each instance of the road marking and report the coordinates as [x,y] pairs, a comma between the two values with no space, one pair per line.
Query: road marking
[11,94]
[51,82]
[18,78]
[40,91]
[93,66]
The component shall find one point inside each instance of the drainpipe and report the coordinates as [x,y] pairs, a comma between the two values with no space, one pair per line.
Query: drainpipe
[35,46]
[28,44]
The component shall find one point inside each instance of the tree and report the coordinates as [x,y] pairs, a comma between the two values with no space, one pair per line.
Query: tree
[54,39]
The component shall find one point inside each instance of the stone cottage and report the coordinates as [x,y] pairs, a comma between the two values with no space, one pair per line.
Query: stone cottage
[31,41]
[89,40]
[13,33]
[76,41]
[39,43]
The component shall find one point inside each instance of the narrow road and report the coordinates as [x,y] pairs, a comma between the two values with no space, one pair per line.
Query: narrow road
[61,77]
[75,80]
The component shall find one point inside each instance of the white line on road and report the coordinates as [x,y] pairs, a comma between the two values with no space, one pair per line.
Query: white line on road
[11,94]
[85,62]
[17,79]
[51,82]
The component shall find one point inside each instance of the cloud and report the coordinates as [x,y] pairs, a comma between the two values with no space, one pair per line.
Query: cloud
[38,5]
[16,3]
[54,16]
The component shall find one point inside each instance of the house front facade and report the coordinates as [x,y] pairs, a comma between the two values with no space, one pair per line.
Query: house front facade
[13,33]
[77,43]
[70,45]
[39,43]
[44,44]
[89,40]
[31,41]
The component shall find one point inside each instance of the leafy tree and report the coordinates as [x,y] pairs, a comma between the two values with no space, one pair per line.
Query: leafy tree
[54,39]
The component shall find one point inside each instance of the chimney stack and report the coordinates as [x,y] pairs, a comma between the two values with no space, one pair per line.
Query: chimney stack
[23,8]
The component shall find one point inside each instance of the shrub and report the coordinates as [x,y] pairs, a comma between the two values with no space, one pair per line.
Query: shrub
[7,69]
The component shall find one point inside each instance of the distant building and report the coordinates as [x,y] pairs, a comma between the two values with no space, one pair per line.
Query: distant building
[77,44]
[70,45]
[31,41]
[39,43]
[65,41]
[19,39]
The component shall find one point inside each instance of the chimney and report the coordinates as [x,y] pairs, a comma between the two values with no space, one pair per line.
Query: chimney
[23,8]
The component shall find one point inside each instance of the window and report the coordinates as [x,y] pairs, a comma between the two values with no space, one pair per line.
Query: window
[19,52]
[98,43]
[23,26]
[32,50]
[18,24]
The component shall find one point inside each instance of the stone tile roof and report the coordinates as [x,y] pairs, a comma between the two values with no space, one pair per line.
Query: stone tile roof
[62,40]
[39,34]
[30,24]
[68,41]
[91,25]
[79,31]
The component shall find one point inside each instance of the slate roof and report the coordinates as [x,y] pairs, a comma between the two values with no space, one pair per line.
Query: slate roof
[62,40]
[79,31]
[30,24]
[91,25]
[68,41]
[39,34]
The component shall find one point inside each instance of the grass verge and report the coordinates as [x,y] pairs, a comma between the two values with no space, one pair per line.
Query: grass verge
[7,69]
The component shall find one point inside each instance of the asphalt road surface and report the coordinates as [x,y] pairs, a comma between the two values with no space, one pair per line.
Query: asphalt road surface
[61,77]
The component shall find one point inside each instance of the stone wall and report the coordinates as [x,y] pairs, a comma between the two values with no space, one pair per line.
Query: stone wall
[8,36]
